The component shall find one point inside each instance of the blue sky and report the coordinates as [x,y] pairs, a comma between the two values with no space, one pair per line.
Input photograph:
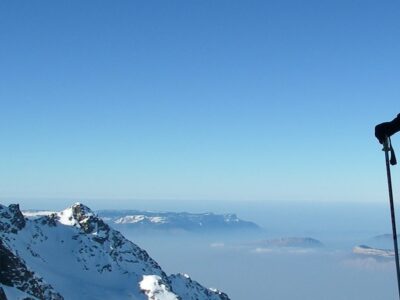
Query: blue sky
[197,100]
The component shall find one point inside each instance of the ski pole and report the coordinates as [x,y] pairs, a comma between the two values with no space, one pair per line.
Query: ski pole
[388,147]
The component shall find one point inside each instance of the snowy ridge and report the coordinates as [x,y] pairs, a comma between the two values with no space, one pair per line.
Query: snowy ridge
[189,289]
[77,248]
[191,222]
[31,214]
[140,218]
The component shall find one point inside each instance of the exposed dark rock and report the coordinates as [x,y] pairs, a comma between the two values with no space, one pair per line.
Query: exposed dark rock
[2,294]
[18,219]
[11,218]
[49,220]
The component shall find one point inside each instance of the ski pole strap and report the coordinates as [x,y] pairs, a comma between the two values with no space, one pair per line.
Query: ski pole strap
[387,146]
[393,160]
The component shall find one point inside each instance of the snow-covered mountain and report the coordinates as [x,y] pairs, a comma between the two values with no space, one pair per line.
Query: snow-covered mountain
[183,221]
[168,221]
[74,254]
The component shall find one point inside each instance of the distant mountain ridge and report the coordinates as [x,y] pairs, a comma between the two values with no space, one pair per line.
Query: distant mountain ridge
[290,242]
[74,254]
[191,222]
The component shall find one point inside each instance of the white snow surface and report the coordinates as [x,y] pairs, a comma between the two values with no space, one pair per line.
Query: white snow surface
[155,289]
[37,213]
[66,217]
[83,258]
[140,218]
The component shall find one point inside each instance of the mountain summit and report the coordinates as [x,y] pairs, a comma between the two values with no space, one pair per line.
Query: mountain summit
[74,254]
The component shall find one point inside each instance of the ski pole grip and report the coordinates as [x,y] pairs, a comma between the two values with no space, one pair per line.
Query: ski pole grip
[387,129]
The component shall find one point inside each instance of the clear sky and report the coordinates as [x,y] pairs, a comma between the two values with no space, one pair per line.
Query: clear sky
[197,100]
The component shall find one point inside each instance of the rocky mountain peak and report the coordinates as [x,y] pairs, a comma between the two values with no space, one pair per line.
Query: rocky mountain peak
[82,217]
[81,212]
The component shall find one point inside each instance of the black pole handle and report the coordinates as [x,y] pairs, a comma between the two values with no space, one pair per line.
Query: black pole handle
[387,129]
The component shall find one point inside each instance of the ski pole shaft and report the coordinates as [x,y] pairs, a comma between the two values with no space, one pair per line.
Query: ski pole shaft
[386,148]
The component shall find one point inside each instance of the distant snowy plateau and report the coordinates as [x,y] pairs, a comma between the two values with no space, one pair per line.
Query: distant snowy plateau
[74,254]
[176,221]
